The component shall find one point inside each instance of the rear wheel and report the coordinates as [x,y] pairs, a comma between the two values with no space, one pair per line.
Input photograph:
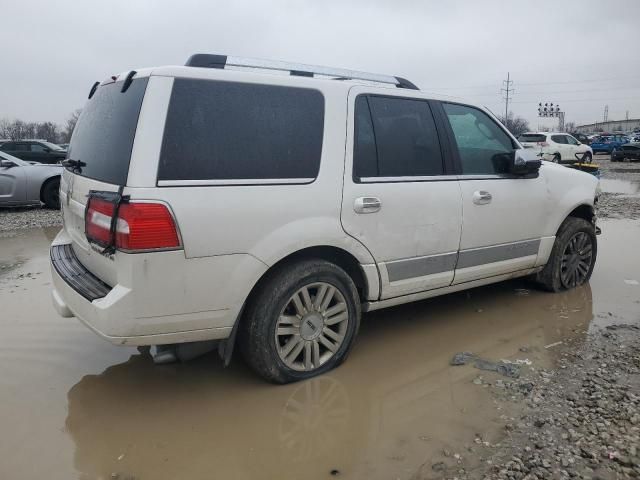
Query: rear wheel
[587,158]
[572,258]
[301,323]
[51,194]
[557,158]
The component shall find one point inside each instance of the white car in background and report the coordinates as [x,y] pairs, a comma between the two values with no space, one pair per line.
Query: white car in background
[557,147]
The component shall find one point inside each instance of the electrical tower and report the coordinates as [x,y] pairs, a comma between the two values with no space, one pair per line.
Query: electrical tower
[508,91]
[605,116]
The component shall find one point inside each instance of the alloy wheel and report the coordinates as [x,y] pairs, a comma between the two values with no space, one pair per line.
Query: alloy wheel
[312,326]
[576,260]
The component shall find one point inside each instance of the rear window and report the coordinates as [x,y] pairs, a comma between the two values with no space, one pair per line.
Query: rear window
[531,138]
[237,131]
[103,137]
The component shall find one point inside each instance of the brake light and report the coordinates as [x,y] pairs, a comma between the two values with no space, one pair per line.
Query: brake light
[145,226]
[139,226]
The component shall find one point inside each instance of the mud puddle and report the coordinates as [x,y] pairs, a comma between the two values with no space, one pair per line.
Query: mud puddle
[73,406]
[614,185]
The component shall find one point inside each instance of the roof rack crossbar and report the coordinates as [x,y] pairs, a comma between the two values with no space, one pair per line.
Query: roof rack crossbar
[221,61]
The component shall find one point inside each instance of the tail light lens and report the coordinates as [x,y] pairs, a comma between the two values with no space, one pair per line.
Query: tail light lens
[139,226]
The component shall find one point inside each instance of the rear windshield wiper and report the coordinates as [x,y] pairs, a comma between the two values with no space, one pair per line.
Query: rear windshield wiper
[75,165]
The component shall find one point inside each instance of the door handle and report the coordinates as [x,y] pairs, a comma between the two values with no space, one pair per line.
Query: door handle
[367,205]
[481,197]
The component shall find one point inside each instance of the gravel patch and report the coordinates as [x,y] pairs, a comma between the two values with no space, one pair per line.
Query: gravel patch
[31,217]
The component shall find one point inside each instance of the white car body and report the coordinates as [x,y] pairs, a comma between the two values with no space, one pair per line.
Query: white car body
[556,145]
[233,232]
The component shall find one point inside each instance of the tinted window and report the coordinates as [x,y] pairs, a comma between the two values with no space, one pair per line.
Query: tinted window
[571,140]
[103,137]
[222,130]
[36,147]
[406,140]
[532,138]
[483,146]
[21,147]
[559,139]
[8,147]
[365,157]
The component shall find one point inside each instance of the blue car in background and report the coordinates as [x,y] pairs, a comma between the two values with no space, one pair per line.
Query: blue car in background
[608,143]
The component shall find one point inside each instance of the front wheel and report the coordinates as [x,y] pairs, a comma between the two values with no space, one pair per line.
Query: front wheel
[572,258]
[301,323]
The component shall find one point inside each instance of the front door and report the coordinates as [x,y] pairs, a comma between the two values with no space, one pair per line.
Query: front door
[398,199]
[502,214]
[13,183]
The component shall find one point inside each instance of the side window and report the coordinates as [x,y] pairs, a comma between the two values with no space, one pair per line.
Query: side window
[36,147]
[395,137]
[21,147]
[365,157]
[562,139]
[9,147]
[239,131]
[483,146]
[571,140]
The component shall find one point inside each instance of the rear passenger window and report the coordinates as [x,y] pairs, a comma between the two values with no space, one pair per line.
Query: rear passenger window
[395,137]
[559,139]
[239,131]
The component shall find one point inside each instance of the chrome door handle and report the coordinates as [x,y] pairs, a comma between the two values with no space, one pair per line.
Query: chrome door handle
[481,197]
[367,205]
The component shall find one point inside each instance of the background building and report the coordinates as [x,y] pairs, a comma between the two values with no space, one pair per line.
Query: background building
[610,126]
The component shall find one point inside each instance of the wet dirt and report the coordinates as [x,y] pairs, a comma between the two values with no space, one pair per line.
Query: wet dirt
[73,406]
[620,184]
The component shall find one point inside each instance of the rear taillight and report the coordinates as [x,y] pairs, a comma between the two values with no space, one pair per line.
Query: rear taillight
[140,226]
[145,226]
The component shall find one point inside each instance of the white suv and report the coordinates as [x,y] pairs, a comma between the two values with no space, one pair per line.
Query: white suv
[557,147]
[224,200]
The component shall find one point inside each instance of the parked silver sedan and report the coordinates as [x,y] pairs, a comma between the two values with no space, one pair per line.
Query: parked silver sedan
[25,183]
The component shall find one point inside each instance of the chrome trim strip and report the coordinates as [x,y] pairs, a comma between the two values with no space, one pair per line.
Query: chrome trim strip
[427,178]
[497,253]
[247,181]
[420,266]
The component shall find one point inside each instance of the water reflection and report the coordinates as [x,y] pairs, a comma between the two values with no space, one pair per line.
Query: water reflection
[395,403]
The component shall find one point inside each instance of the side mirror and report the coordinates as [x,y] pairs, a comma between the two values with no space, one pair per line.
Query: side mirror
[524,161]
[7,164]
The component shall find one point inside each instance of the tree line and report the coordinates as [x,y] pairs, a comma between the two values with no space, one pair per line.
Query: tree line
[52,132]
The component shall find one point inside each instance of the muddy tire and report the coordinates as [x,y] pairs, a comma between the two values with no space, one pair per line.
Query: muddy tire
[587,158]
[572,258]
[51,194]
[301,322]
[557,158]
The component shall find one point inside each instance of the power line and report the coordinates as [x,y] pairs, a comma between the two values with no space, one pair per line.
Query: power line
[611,79]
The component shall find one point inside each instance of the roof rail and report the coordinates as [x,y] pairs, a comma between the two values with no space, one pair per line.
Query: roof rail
[205,60]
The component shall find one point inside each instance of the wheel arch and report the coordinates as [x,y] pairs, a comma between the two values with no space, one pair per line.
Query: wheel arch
[47,181]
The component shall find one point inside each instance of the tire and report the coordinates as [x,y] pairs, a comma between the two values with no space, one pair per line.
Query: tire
[587,158]
[556,276]
[300,349]
[51,194]
[557,158]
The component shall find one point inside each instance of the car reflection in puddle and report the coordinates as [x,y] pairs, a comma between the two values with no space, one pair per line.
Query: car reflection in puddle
[391,407]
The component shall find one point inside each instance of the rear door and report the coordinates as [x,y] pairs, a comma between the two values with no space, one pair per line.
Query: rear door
[562,147]
[400,199]
[103,141]
[502,215]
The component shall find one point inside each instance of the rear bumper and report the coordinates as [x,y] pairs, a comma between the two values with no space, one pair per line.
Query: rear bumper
[108,311]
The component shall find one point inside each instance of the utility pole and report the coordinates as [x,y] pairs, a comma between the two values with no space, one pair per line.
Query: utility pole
[605,116]
[627,116]
[508,91]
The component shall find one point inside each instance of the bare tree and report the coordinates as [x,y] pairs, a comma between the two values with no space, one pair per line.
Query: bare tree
[516,125]
[570,127]
[71,125]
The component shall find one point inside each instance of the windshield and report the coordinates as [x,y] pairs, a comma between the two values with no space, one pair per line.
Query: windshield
[103,137]
[17,161]
[53,146]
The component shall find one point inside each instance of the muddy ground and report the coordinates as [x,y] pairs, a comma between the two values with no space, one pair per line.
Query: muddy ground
[73,406]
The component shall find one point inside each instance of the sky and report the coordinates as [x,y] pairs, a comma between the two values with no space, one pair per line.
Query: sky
[581,54]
